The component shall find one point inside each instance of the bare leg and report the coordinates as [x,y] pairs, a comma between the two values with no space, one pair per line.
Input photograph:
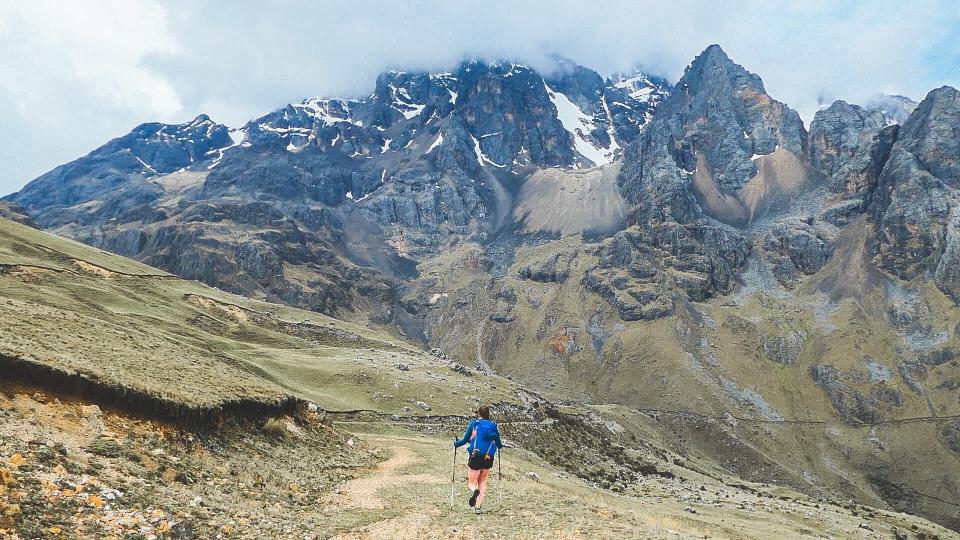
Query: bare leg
[473,479]
[482,479]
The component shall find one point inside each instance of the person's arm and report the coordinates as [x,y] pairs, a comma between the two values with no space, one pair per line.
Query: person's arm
[466,436]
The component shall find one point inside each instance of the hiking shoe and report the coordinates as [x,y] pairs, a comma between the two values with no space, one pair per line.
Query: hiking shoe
[478,510]
[473,498]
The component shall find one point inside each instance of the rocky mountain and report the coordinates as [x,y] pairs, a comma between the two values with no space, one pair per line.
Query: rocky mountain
[895,109]
[322,204]
[783,298]
[916,200]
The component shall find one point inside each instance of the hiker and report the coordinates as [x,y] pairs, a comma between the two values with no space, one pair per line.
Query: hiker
[484,439]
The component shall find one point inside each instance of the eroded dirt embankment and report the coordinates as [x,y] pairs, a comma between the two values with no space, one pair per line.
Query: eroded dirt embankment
[71,468]
[137,402]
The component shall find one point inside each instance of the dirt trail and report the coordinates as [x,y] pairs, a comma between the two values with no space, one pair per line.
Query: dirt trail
[363,492]
[406,496]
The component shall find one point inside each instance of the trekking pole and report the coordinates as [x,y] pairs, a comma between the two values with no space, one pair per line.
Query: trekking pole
[500,480]
[453,475]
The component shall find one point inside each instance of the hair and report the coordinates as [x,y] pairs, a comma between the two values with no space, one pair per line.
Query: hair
[484,412]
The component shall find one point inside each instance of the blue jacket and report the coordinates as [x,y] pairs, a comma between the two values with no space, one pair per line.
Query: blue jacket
[482,434]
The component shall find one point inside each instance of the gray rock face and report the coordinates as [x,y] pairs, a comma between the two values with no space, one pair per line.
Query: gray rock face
[705,143]
[503,311]
[784,349]
[851,404]
[915,204]
[431,157]
[555,267]
[718,118]
[255,249]
[119,172]
[642,269]
[795,248]
[843,141]
[951,435]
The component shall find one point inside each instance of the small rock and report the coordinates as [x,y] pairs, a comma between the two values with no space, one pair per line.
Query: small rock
[460,368]
[293,429]
[689,509]
[402,367]
[423,406]
[533,476]
[312,407]
[91,418]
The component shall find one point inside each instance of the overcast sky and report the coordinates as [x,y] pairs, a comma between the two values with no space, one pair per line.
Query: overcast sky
[76,74]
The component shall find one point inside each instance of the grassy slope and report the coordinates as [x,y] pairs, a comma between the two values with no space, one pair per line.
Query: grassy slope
[688,362]
[128,326]
[413,494]
[81,310]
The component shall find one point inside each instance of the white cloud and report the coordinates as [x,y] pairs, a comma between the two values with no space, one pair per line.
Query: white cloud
[96,48]
[73,75]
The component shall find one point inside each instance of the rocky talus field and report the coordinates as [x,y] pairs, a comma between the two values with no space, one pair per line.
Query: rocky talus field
[693,313]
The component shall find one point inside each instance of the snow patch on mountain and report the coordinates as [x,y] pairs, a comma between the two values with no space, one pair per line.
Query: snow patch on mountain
[145,166]
[481,157]
[638,87]
[579,125]
[328,111]
[403,102]
[238,137]
[436,143]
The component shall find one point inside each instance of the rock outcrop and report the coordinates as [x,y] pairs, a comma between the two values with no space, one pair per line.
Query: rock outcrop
[14,212]
[795,248]
[847,146]
[916,200]
[704,145]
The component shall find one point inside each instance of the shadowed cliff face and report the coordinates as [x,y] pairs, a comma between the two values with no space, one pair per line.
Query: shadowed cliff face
[916,201]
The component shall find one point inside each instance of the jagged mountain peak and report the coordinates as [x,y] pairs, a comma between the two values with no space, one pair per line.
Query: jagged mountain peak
[932,134]
[717,128]
[895,109]
[713,71]
[843,108]
[200,119]
[943,94]
[940,106]
[715,50]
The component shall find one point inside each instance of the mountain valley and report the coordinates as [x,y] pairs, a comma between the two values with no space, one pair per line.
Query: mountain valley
[700,288]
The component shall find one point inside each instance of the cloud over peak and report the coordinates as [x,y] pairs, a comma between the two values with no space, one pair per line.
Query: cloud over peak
[73,75]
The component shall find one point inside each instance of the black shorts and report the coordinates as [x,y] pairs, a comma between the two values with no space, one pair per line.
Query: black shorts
[480,461]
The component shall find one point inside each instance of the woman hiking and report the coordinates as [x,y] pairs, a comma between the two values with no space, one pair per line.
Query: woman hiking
[484,439]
